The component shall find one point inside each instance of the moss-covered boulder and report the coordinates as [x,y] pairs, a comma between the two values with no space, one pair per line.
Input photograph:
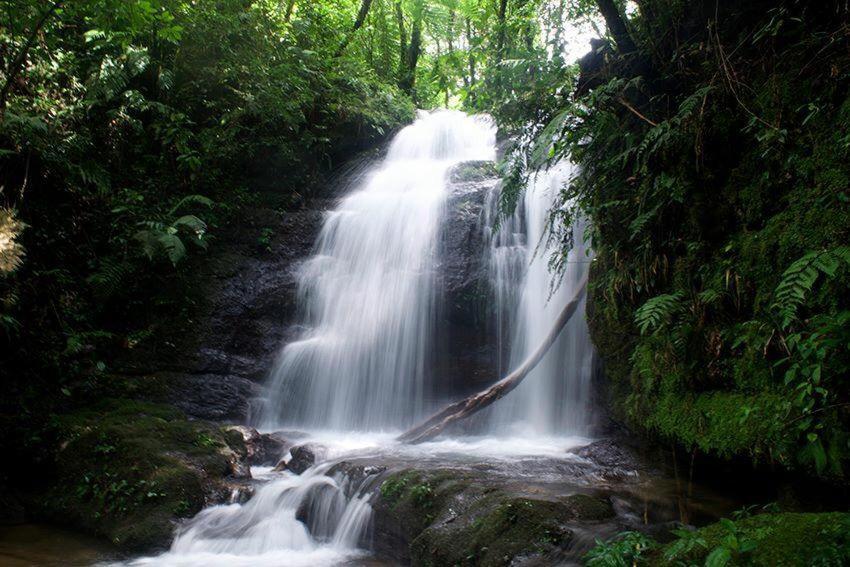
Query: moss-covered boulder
[448,517]
[126,470]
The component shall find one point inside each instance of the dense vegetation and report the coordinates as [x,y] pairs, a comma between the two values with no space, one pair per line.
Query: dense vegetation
[713,146]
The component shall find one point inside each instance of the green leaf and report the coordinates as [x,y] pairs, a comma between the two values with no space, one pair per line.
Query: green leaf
[719,557]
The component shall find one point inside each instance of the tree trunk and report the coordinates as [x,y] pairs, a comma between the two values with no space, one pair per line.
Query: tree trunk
[414,48]
[402,41]
[358,23]
[457,411]
[616,26]
[15,65]
[471,61]
[501,32]
[289,9]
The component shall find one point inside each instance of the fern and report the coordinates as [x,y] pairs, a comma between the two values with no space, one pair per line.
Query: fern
[191,199]
[800,277]
[109,277]
[657,311]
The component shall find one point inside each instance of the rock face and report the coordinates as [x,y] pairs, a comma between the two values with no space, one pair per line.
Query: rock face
[303,457]
[466,357]
[212,365]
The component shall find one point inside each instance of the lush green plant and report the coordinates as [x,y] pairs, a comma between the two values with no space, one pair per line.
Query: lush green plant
[626,550]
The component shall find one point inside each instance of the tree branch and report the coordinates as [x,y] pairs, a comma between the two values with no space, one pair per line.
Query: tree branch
[457,411]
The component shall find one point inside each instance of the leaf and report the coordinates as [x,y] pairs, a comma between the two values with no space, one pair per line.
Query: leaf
[173,247]
[191,199]
[719,557]
[657,311]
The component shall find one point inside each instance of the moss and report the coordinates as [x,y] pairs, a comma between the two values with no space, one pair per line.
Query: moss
[722,423]
[502,529]
[782,539]
[416,497]
[127,469]
[450,519]
[474,171]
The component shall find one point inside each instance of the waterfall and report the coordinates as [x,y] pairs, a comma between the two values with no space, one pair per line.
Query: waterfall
[268,529]
[367,293]
[553,399]
[362,362]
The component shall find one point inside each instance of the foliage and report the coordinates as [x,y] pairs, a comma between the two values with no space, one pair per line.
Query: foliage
[713,166]
[626,550]
[131,130]
[771,538]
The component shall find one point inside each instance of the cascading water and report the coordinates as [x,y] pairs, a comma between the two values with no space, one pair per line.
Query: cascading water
[266,531]
[362,363]
[553,398]
[367,294]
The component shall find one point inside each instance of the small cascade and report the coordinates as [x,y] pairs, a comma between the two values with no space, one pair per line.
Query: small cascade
[367,293]
[553,399]
[311,519]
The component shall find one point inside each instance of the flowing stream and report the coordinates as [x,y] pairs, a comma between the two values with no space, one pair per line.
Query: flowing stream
[360,371]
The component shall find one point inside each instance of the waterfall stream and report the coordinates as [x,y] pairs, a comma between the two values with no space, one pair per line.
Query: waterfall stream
[360,370]
[553,398]
[367,293]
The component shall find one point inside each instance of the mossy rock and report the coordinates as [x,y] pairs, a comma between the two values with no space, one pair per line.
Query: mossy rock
[449,517]
[781,539]
[474,171]
[498,530]
[126,470]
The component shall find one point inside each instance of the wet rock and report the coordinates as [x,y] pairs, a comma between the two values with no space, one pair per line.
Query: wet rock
[262,449]
[612,460]
[212,397]
[586,508]
[466,355]
[464,516]
[473,171]
[352,477]
[211,363]
[302,458]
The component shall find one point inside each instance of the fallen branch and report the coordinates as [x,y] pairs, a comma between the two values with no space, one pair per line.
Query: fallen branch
[457,411]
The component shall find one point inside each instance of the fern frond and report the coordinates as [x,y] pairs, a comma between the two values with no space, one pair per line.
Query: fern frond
[109,277]
[191,199]
[658,311]
[800,277]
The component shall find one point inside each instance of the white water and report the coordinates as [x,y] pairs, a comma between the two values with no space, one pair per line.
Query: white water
[553,398]
[367,293]
[359,373]
[265,531]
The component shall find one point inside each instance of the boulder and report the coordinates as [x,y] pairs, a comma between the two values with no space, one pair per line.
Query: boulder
[302,458]
[262,449]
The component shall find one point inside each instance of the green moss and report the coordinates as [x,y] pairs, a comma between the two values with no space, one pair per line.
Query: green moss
[450,519]
[127,469]
[503,529]
[719,422]
[474,171]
